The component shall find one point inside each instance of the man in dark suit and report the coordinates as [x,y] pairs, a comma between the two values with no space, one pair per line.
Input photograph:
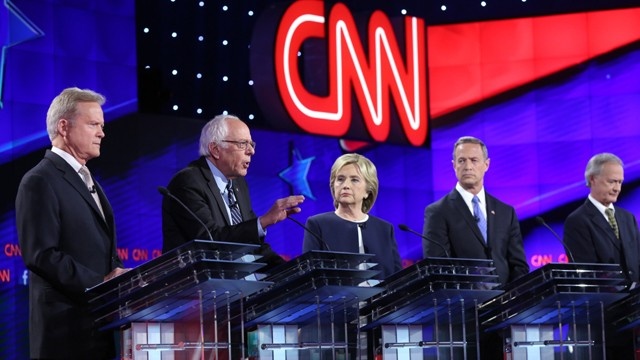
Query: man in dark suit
[204,187]
[455,221]
[589,234]
[67,233]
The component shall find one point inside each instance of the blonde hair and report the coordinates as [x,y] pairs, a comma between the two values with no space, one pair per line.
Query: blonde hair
[368,171]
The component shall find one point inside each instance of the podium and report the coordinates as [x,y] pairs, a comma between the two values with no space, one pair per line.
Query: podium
[623,318]
[177,306]
[556,311]
[428,310]
[311,308]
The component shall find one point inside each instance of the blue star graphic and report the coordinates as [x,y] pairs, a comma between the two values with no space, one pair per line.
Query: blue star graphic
[15,28]
[296,175]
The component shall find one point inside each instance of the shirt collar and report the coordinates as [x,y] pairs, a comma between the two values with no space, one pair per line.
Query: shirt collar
[220,179]
[601,207]
[67,157]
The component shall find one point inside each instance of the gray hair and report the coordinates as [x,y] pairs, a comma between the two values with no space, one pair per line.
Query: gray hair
[214,132]
[596,163]
[64,106]
[470,140]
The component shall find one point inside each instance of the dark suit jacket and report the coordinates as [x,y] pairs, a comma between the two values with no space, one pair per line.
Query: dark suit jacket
[68,247]
[342,235]
[449,222]
[590,238]
[197,189]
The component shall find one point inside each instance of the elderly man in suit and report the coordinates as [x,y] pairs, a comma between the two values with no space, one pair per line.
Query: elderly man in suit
[214,189]
[470,223]
[67,233]
[597,231]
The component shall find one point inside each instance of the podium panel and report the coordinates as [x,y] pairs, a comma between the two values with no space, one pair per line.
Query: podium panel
[178,305]
[428,310]
[556,311]
[311,308]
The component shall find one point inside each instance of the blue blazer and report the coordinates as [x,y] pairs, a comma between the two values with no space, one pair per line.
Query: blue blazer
[449,222]
[68,247]
[342,235]
[590,239]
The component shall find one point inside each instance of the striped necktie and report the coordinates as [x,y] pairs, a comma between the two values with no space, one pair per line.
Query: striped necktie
[236,216]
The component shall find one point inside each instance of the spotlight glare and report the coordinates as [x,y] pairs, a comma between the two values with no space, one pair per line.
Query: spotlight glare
[199,76]
[403,11]
[199,111]
[174,72]
[225,78]
[174,34]
[443,7]
[250,13]
[225,112]
[146,30]
[175,107]
[225,8]
[201,4]
[251,116]
[250,82]
[225,42]
[200,38]
[483,3]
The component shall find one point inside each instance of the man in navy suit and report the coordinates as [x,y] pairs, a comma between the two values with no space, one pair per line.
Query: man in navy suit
[226,149]
[67,233]
[589,234]
[453,222]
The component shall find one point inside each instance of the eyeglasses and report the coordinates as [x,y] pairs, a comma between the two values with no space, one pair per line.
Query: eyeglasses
[242,145]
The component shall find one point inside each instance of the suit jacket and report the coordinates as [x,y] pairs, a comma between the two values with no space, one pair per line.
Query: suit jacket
[342,235]
[590,239]
[449,223]
[196,187]
[68,247]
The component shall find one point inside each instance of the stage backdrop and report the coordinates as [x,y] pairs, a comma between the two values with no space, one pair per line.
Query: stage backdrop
[546,86]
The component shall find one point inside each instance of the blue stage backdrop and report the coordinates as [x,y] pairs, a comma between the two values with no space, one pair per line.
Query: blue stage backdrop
[540,132]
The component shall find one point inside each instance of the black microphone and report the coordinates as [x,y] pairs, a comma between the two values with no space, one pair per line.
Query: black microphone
[165,192]
[322,242]
[477,218]
[404,227]
[541,221]
[92,189]
[362,225]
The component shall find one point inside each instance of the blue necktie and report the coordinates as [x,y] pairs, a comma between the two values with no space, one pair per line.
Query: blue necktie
[479,215]
[236,217]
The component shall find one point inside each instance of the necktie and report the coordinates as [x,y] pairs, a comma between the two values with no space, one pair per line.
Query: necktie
[612,221]
[84,171]
[236,217]
[479,215]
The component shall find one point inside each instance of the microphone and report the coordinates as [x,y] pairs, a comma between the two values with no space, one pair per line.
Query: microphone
[541,221]
[404,227]
[477,218]
[362,225]
[322,242]
[92,189]
[165,192]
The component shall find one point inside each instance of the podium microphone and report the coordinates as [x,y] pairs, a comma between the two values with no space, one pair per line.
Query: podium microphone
[404,227]
[541,221]
[165,192]
[323,244]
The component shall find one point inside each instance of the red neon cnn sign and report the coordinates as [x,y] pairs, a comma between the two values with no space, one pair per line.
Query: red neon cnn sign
[372,77]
